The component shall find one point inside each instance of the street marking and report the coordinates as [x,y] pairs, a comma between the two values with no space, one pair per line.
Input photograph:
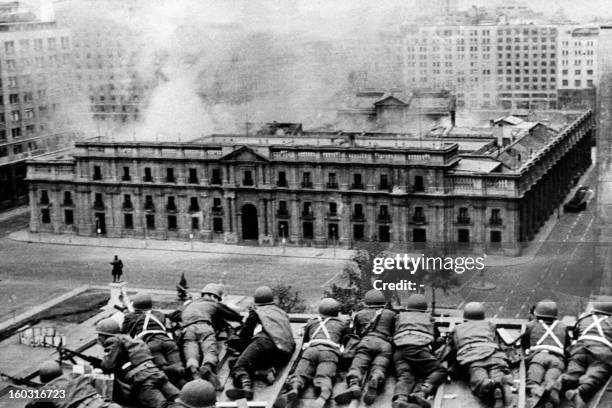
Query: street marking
[516,316]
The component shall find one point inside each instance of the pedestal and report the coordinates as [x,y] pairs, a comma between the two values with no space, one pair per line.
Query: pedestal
[118,291]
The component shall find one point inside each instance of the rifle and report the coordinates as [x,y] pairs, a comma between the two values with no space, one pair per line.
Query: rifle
[21,381]
[67,354]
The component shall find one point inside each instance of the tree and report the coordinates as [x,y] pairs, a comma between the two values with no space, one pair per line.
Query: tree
[439,277]
[355,282]
[288,299]
[181,288]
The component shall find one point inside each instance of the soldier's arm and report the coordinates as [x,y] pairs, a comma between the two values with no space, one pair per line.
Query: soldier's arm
[249,325]
[112,351]
[229,314]
[525,337]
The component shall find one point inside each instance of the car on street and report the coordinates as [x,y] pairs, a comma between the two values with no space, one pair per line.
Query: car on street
[579,201]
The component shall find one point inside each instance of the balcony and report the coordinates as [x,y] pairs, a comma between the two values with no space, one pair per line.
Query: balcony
[216,182]
[464,220]
[357,186]
[127,207]
[332,185]
[282,183]
[98,205]
[149,207]
[194,208]
[170,179]
[217,210]
[171,208]
[147,179]
[358,217]
[282,214]
[384,187]
[67,203]
[495,222]
[332,214]
[192,180]
[307,215]
[306,184]
[126,178]
[419,219]
[247,182]
[384,218]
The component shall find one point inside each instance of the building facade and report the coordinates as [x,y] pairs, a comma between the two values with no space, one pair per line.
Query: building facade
[310,188]
[34,76]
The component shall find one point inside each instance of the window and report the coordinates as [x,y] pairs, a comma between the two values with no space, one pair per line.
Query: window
[307,209]
[67,198]
[97,175]
[172,222]
[13,81]
[247,178]
[44,197]
[384,233]
[51,44]
[495,217]
[193,176]
[217,208]
[332,232]
[283,229]
[464,216]
[126,174]
[127,202]
[171,204]
[332,182]
[306,182]
[418,216]
[333,208]
[68,217]
[419,235]
[218,225]
[495,237]
[384,182]
[216,177]
[357,182]
[282,179]
[150,221]
[128,221]
[193,204]
[577,83]
[170,175]
[463,236]
[45,215]
[149,206]
[9,47]
[195,223]
[98,202]
[307,230]
[16,132]
[358,232]
[147,174]
[383,213]
[282,209]
[418,183]
[358,212]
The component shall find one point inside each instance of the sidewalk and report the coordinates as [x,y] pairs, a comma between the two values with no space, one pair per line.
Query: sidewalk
[14,212]
[183,246]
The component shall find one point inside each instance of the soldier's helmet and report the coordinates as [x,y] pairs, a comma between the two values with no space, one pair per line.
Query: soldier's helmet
[546,309]
[49,370]
[474,311]
[602,307]
[197,394]
[214,290]
[374,297]
[263,296]
[416,303]
[329,307]
[108,327]
[142,301]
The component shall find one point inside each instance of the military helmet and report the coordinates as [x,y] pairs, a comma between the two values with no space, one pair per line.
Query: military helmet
[197,394]
[374,297]
[546,309]
[474,311]
[213,289]
[329,307]
[49,370]
[602,307]
[142,301]
[108,327]
[263,296]
[416,303]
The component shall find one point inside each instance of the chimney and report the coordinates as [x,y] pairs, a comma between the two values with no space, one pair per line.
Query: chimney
[452,107]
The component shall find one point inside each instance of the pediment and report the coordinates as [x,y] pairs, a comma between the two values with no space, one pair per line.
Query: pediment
[244,154]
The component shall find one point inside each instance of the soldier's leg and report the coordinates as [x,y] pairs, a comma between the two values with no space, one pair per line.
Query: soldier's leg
[208,345]
[535,371]
[405,376]
[257,350]
[553,373]
[325,372]
[191,348]
[576,367]
[480,383]
[304,371]
[174,367]
[359,365]
[150,396]
[596,376]
[427,366]
[378,369]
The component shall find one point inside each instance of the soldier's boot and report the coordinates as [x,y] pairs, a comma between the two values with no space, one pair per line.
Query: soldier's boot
[574,396]
[420,397]
[538,395]
[401,402]
[506,387]
[268,376]
[207,373]
[371,390]
[498,398]
[554,400]
[288,398]
[352,392]
[245,390]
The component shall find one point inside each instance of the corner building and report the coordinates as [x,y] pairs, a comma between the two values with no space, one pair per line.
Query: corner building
[313,188]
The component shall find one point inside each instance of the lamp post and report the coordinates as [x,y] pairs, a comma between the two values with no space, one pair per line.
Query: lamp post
[283,240]
[333,228]
[191,240]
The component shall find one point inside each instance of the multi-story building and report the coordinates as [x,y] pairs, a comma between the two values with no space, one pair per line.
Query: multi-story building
[316,188]
[35,75]
[578,68]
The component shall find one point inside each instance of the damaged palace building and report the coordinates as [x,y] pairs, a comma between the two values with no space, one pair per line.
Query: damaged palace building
[486,188]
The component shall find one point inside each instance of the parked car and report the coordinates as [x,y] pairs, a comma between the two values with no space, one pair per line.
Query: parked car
[579,201]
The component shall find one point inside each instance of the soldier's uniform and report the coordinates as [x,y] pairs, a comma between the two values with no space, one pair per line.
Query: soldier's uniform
[149,326]
[590,359]
[414,336]
[478,351]
[321,353]
[77,389]
[545,339]
[199,338]
[131,361]
[269,342]
[374,325]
